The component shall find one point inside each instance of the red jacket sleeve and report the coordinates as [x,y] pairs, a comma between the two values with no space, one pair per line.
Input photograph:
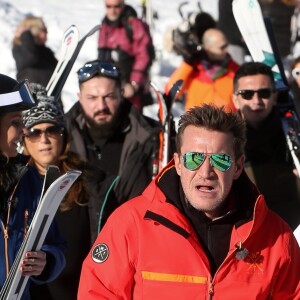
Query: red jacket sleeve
[108,270]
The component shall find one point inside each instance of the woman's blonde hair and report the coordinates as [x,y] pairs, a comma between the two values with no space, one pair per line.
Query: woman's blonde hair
[34,24]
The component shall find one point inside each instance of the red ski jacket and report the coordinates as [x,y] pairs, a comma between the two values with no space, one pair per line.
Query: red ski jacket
[149,250]
[135,60]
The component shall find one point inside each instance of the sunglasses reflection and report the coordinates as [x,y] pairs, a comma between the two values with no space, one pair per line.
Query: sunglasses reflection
[220,161]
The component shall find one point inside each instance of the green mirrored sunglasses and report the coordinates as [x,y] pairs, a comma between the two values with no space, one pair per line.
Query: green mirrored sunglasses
[220,161]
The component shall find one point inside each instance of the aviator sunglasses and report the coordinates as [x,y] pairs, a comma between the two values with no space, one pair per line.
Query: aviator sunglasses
[89,70]
[220,161]
[34,134]
[248,94]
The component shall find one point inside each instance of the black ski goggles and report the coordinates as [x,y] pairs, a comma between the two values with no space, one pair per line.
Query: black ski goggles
[248,94]
[91,69]
[34,134]
[220,161]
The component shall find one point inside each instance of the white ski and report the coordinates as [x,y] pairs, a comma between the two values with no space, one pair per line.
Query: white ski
[69,43]
[15,283]
[60,78]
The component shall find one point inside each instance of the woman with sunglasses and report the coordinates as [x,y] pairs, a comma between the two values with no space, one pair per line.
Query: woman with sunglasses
[20,190]
[47,143]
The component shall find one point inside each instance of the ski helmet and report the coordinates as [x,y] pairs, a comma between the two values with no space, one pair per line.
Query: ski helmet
[14,96]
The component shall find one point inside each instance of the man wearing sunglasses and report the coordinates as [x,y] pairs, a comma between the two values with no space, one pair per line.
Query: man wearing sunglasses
[200,230]
[268,162]
[125,40]
[113,136]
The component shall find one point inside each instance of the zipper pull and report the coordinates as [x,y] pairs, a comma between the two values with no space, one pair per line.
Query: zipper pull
[6,233]
[211,291]
[26,213]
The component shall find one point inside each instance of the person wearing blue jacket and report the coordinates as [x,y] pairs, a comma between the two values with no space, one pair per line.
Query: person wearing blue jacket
[20,191]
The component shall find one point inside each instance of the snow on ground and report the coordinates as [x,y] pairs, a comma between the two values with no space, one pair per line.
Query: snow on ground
[59,15]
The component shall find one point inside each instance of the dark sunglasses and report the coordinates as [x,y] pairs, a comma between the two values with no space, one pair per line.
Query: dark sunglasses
[113,6]
[89,70]
[220,161]
[248,94]
[34,134]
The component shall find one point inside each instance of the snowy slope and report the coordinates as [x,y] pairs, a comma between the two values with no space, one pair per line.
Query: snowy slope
[59,15]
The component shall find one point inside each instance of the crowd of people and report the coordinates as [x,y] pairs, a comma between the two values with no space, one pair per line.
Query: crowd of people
[216,222]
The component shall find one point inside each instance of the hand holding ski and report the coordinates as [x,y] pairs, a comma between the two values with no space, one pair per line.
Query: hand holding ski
[15,283]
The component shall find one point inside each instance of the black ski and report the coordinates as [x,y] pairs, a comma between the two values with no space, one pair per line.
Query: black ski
[165,102]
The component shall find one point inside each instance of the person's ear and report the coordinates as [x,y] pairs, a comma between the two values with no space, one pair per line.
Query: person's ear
[178,166]
[239,167]
[235,101]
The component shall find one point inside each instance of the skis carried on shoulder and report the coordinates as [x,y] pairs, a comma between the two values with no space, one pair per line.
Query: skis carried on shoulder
[70,49]
[165,103]
[69,44]
[259,37]
[51,197]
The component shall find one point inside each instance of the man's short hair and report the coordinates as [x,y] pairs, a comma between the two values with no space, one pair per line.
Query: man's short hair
[214,118]
[251,69]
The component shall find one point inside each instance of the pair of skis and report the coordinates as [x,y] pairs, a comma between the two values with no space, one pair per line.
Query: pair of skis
[53,192]
[259,37]
[71,46]
[165,103]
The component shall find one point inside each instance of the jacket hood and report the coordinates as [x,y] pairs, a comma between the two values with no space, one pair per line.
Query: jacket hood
[165,188]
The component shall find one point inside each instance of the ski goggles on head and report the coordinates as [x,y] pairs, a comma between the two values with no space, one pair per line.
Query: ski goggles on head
[18,100]
[220,161]
[296,73]
[90,69]
[248,94]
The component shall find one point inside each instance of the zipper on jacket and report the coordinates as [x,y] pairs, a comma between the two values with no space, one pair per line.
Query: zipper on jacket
[211,290]
[5,235]
[26,214]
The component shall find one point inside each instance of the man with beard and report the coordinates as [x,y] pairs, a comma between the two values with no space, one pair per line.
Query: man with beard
[114,137]
[125,40]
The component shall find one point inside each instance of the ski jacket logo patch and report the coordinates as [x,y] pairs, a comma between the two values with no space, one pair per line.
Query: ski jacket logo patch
[100,253]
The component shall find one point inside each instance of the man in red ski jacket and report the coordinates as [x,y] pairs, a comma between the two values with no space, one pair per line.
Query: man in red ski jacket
[200,230]
[125,40]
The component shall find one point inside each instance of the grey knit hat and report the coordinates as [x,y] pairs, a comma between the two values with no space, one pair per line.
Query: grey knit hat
[47,110]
